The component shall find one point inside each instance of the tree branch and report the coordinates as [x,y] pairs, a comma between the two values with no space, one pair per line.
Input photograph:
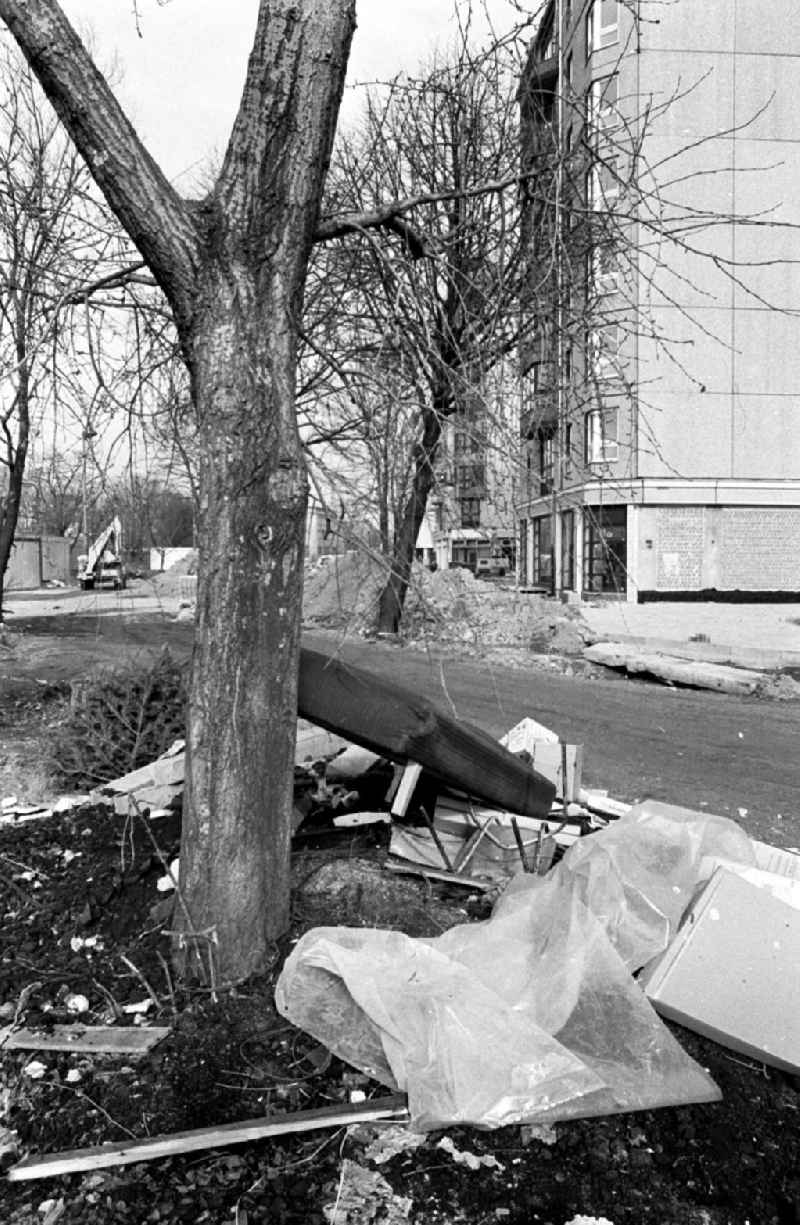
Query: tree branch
[154,215]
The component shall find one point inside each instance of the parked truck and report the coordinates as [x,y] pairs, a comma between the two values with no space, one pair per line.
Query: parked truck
[102,565]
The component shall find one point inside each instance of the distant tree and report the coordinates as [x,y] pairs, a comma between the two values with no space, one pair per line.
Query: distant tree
[53,238]
[437,304]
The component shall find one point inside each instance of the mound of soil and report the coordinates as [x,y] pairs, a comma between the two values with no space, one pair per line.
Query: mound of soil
[77,898]
[444,607]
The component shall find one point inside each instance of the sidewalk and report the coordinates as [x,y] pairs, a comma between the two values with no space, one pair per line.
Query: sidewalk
[761,636]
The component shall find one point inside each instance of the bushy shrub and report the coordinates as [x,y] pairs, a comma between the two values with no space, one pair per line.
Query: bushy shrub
[118,720]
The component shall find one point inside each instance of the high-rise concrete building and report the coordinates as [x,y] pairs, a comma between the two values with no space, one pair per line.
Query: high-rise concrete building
[661,411]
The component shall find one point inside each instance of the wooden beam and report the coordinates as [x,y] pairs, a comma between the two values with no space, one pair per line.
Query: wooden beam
[403,726]
[129,1152]
[85,1039]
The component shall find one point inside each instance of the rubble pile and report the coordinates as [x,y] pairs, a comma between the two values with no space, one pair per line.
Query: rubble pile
[443,606]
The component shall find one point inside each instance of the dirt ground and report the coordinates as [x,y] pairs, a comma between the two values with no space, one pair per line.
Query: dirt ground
[81,914]
[78,918]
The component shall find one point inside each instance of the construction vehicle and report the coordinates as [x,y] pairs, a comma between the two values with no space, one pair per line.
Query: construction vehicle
[102,565]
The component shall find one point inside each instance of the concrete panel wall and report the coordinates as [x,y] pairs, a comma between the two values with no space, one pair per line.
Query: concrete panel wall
[24,567]
[55,559]
[684,435]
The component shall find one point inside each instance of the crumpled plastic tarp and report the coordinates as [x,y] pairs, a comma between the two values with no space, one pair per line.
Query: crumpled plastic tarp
[532,1015]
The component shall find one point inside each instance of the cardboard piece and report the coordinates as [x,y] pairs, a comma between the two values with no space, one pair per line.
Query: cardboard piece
[731,972]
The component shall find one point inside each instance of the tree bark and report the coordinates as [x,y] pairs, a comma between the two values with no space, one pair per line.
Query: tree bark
[233,269]
[393,596]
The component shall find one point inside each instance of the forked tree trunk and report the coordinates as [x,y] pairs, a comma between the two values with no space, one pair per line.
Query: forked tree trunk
[393,597]
[233,269]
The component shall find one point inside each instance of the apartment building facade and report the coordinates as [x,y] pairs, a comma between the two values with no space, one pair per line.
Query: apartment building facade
[661,387]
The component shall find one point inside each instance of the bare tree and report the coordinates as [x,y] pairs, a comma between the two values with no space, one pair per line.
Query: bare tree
[232,268]
[438,303]
[53,237]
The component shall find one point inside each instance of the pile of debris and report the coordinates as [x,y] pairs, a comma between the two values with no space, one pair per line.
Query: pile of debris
[605,916]
[444,606]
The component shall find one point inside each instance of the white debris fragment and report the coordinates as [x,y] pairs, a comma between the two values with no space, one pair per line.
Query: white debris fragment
[471,1160]
[9,801]
[589,1220]
[139,1008]
[76,1003]
[73,1076]
[87,943]
[165,884]
[35,1069]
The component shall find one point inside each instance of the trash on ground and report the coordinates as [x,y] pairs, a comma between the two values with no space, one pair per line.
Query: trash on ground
[472,1161]
[731,972]
[365,1196]
[128,1152]
[88,1039]
[563,1031]
[383,1143]
[403,726]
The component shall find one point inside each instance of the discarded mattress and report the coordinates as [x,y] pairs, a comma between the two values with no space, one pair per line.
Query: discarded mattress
[533,1015]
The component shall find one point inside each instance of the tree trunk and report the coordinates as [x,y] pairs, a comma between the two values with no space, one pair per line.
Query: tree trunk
[393,596]
[243,701]
[17,458]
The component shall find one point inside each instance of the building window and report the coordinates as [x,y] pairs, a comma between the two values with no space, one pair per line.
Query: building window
[568,550]
[547,456]
[604,269]
[569,71]
[602,25]
[601,440]
[460,442]
[602,109]
[605,549]
[470,477]
[603,349]
[568,446]
[602,184]
[470,512]
[523,550]
[542,559]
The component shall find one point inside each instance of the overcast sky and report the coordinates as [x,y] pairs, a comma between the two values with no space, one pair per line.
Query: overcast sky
[183,77]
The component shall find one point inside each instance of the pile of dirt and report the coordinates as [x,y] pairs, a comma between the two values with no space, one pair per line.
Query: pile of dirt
[442,607]
[179,581]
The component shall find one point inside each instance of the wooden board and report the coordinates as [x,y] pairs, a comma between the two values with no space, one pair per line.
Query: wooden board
[85,1039]
[129,1152]
[400,724]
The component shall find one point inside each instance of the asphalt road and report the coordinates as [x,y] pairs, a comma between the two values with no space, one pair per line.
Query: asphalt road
[696,748]
[739,757]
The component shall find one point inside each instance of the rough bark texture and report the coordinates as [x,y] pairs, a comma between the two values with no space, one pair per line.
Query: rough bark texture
[393,595]
[233,269]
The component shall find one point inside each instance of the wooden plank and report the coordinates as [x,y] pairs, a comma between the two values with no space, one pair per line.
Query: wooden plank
[129,1152]
[451,878]
[85,1039]
[400,724]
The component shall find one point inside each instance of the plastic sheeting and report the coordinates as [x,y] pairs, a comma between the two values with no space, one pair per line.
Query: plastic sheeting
[532,1015]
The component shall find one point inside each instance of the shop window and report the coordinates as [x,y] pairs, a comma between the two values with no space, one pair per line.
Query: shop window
[542,559]
[605,549]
